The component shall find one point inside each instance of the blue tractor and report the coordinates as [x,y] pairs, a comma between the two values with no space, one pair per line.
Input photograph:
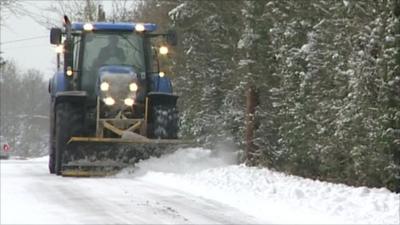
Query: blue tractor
[110,103]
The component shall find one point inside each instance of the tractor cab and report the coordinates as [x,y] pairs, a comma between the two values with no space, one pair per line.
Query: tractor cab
[89,47]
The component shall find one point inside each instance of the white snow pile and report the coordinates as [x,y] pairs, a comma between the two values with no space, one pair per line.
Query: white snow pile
[39,159]
[183,161]
[270,196]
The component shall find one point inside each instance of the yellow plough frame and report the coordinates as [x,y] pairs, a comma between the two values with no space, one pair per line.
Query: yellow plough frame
[102,156]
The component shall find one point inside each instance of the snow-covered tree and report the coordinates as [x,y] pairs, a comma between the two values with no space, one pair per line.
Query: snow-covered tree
[24,107]
[326,74]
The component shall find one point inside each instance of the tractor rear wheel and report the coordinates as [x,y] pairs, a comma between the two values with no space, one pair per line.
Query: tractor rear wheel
[68,123]
[165,122]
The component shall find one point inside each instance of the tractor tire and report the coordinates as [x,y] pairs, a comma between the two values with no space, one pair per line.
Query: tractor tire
[52,153]
[68,123]
[165,122]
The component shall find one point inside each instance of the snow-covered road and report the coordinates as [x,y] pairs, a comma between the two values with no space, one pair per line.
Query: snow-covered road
[190,186]
[30,195]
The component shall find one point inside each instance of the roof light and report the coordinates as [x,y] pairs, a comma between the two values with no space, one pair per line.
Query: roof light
[163,50]
[139,27]
[161,74]
[88,27]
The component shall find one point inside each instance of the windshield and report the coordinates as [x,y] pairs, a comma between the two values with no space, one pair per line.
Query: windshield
[110,49]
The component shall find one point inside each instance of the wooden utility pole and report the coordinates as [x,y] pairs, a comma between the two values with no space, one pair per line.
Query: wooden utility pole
[251,103]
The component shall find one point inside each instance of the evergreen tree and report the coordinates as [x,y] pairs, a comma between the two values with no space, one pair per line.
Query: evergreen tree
[326,73]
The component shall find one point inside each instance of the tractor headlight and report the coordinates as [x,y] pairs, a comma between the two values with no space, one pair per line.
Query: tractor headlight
[163,50]
[109,101]
[88,27]
[104,86]
[69,71]
[139,27]
[129,101]
[133,87]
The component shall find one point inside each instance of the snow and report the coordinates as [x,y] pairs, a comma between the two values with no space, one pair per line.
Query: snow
[29,195]
[174,13]
[306,48]
[245,62]
[256,191]
[192,185]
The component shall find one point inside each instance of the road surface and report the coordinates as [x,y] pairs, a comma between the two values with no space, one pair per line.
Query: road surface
[190,186]
[30,195]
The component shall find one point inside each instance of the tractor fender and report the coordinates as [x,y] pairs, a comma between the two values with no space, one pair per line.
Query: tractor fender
[70,96]
[57,84]
[162,98]
[75,97]
[160,84]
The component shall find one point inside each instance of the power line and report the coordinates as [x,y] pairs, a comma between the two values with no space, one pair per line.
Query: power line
[20,47]
[25,39]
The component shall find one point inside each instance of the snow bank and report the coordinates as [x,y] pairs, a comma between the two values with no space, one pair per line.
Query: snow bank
[183,161]
[265,194]
[40,159]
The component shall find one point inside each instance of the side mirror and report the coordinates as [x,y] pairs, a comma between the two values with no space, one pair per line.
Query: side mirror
[55,36]
[172,38]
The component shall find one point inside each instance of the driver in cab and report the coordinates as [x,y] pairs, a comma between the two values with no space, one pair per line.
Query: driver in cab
[111,54]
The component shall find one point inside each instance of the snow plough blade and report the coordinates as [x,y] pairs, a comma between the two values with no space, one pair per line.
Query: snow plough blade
[106,156]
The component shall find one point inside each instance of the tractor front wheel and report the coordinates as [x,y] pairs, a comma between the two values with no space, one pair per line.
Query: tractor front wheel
[68,123]
[52,142]
[165,122]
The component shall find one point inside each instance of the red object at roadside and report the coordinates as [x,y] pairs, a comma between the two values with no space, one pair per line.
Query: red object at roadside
[6,147]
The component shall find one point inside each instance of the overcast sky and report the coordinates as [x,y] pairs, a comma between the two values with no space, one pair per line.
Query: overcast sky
[35,53]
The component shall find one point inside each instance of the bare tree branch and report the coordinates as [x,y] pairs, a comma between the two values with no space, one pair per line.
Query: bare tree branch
[10,7]
[123,10]
[77,10]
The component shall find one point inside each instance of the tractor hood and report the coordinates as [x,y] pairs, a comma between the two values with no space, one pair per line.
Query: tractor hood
[117,83]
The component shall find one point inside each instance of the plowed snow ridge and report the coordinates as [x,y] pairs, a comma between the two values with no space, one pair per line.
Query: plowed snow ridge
[266,194]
